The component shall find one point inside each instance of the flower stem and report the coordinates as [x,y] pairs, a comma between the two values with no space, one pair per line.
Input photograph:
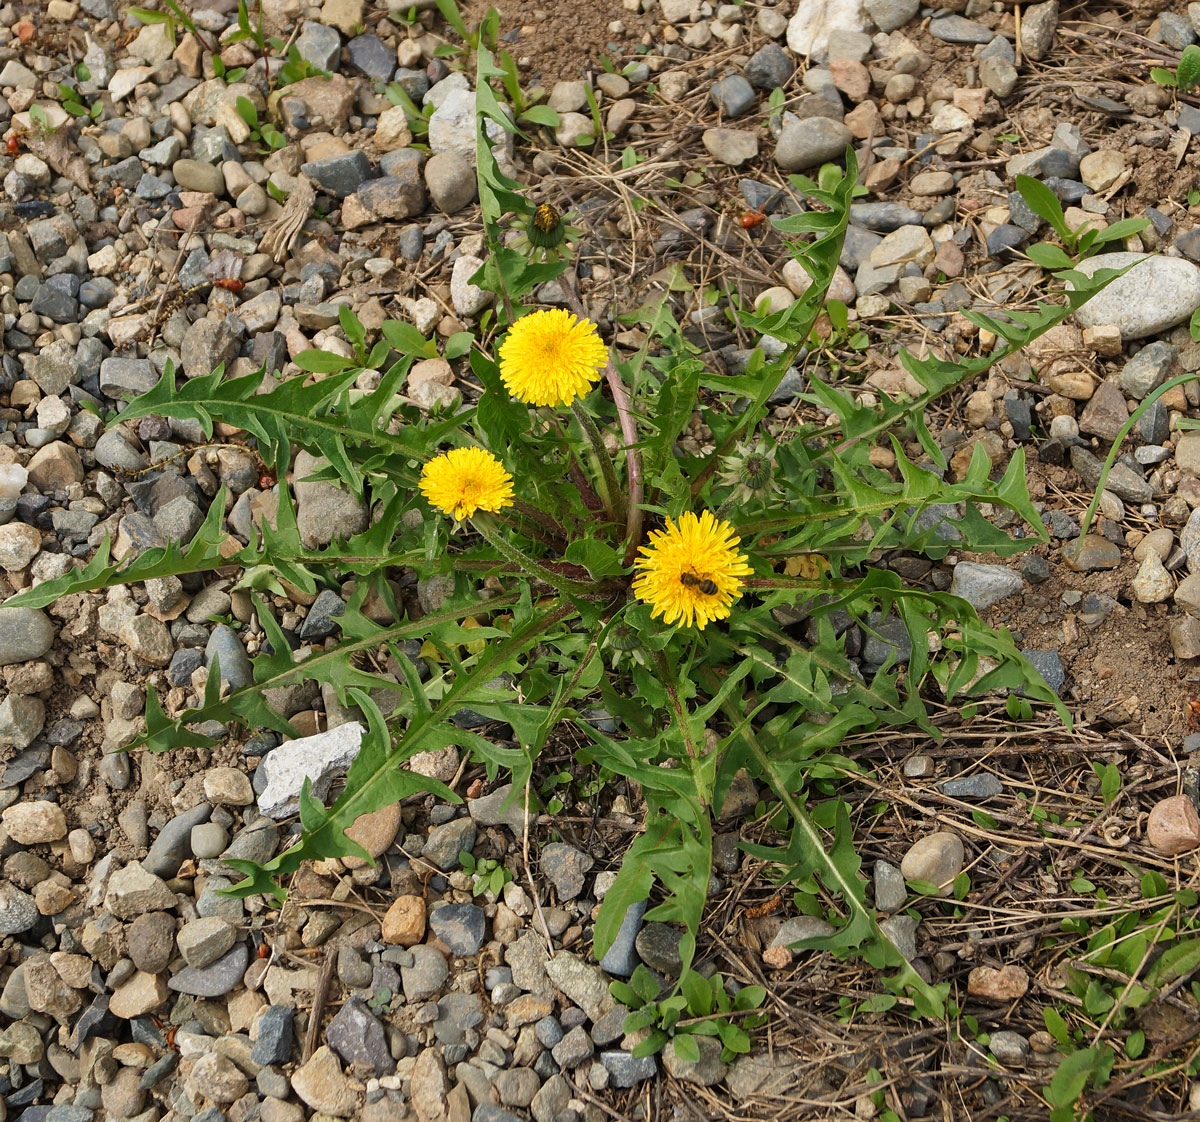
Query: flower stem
[488,531]
[633,461]
[614,501]
[679,712]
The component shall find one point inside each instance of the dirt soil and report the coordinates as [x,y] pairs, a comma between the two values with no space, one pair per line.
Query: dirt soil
[562,40]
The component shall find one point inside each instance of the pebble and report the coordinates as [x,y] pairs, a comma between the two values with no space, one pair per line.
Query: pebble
[807,143]
[935,859]
[1173,827]
[984,585]
[1002,984]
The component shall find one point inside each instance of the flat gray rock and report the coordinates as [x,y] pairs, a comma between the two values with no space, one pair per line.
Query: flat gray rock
[1157,293]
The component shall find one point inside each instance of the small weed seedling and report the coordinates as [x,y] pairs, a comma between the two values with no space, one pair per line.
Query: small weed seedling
[1079,243]
[1185,76]
[700,1007]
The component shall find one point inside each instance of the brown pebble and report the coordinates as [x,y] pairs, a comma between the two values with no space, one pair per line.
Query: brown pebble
[1174,826]
[991,984]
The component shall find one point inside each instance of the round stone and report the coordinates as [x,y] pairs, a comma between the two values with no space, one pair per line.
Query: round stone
[228,785]
[936,859]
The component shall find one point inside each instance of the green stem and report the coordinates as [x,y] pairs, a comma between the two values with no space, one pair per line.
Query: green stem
[487,529]
[614,502]
[695,756]
[1126,428]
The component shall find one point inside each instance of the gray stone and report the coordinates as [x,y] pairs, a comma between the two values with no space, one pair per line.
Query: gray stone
[504,806]
[959,29]
[461,927]
[171,845]
[216,979]
[203,941]
[114,451]
[450,180]
[425,976]
[983,785]
[207,344]
[446,842]
[1157,293]
[356,1035]
[771,67]
[1038,24]
[132,891]
[394,196]
[811,142]
[25,634]
[1049,666]
[658,947]
[626,1070]
[1148,369]
[566,867]
[621,958]
[18,912]
[1010,1048]
[1176,30]
[196,175]
[517,1086]
[372,57]
[882,217]
[733,95]
[276,1034]
[127,377]
[225,647]
[984,585]
[889,15]
[324,611]
[339,175]
[890,889]
[705,1071]
[902,931]
[324,510]
[319,45]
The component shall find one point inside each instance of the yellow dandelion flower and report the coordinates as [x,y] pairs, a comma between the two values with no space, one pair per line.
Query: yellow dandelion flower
[551,358]
[691,571]
[464,480]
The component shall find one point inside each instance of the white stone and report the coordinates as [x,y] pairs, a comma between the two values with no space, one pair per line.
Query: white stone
[318,758]
[13,478]
[452,129]
[122,83]
[1157,293]
[468,299]
[808,30]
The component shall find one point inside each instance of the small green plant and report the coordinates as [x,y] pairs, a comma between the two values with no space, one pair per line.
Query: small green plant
[698,1007]
[381,1000]
[172,18]
[72,98]
[524,108]
[1079,243]
[487,871]
[227,74]
[1185,76]
[264,132]
[40,120]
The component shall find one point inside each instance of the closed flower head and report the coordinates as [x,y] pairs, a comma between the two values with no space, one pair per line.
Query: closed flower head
[691,571]
[551,358]
[465,480]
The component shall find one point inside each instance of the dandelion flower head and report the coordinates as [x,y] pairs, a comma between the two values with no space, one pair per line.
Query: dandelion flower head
[551,358]
[691,571]
[464,480]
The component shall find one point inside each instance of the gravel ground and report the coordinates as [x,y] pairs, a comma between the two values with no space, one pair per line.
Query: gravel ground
[131,988]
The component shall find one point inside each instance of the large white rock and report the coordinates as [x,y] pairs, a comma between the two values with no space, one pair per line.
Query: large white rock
[318,758]
[1157,293]
[808,30]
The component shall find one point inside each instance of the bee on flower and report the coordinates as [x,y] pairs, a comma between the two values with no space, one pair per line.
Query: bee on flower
[692,570]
